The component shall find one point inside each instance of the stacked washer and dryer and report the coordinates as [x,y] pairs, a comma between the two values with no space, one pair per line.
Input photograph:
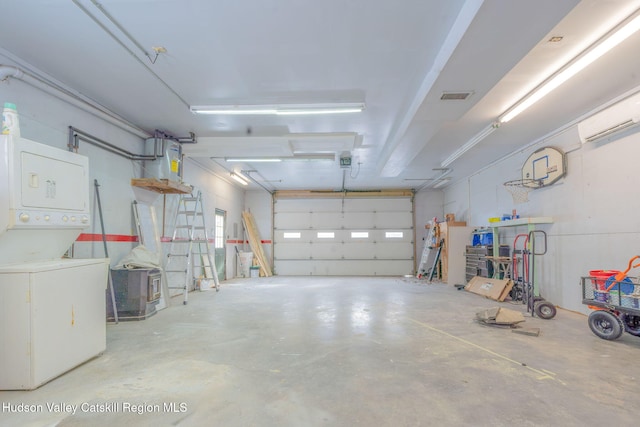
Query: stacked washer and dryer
[52,309]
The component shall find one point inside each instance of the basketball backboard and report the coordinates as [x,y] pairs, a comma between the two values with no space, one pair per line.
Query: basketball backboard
[545,166]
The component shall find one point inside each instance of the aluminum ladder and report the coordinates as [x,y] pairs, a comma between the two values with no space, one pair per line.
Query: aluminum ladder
[189,259]
[429,256]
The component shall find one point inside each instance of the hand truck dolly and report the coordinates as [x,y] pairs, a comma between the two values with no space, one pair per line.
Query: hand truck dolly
[524,288]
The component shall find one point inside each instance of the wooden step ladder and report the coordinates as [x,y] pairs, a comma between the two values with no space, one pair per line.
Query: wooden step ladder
[189,259]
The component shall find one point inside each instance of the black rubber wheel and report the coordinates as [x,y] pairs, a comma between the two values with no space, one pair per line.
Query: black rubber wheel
[631,324]
[605,325]
[516,293]
[545,310]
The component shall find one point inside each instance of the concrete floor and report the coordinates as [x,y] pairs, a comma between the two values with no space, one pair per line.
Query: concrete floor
[343,352]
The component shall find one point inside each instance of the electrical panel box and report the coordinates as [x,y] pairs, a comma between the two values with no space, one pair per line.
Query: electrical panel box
[345,161]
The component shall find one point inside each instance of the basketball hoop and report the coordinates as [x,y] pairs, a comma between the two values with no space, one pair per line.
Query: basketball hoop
[519,189]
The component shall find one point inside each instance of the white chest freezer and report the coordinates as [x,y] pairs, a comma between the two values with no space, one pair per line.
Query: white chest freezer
[52,319]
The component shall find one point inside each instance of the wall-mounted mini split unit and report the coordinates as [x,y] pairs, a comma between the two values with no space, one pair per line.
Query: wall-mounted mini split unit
[611,120]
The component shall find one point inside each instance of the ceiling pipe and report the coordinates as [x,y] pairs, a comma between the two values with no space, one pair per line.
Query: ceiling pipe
[76,135]
[7,71]
[247,173]
[124,46]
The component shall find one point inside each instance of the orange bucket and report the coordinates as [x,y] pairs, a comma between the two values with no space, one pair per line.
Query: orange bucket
[600,277]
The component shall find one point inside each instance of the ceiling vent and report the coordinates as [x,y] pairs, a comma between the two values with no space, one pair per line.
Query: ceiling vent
[455,96]
[611,120]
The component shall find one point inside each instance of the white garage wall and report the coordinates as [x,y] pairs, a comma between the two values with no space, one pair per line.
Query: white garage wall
[596,225]
[45,119]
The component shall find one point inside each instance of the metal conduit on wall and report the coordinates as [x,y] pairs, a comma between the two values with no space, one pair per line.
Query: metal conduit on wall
[76,135]
[7,71]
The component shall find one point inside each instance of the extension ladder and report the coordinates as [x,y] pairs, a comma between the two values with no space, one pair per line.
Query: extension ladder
[189,258]
[429,256]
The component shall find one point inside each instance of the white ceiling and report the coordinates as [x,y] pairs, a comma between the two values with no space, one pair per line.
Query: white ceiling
[396,56]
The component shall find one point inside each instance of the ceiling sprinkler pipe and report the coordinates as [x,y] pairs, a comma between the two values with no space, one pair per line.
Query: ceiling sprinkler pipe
[69,97]
[7,71]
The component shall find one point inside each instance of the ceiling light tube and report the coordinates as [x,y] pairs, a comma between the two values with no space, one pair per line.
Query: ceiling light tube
[232,110]
[252,159]
[239,178]
[470,144]
[432,181]
[302,157]
[310,157]
[279,109]
[572,68]
[441,182]
[291,112]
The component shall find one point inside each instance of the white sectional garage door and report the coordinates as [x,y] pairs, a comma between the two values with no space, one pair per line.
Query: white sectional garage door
[344,237]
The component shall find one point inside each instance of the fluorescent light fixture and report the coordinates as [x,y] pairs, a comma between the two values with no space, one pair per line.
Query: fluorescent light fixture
[323,110]
[310,157]
[303,158]
[280,109]
[252,159]
[441,182]
[239,178]
[572,68]
[470,144]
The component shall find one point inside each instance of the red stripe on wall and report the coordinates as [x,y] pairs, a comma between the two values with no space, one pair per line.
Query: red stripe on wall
[240,242]
[167,239]
[87,237]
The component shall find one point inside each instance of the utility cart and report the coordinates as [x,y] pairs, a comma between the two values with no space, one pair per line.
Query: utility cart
[615,301]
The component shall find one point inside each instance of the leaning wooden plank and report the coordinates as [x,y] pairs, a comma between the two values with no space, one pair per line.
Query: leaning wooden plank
[263,261]
[256,243]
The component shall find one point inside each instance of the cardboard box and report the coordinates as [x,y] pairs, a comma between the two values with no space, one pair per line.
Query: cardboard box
[495,289]
[500,316]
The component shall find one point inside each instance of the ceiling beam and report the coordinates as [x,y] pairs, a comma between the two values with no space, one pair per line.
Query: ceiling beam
[387,167]
[337,194]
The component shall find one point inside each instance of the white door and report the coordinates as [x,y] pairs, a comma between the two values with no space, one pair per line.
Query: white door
[344,237]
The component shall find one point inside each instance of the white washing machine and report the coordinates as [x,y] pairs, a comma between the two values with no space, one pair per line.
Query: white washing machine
[52,310]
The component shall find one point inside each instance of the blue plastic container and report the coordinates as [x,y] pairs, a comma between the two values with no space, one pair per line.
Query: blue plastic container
[625,285]
[482,238]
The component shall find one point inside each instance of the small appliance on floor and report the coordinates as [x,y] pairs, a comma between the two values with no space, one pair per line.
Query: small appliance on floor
[137,293]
